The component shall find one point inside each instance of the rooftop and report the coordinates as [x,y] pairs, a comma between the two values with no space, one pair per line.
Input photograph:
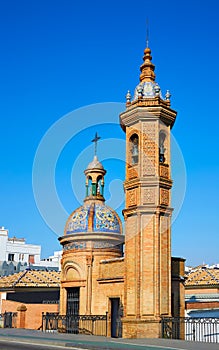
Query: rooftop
[31,278]
[203,276]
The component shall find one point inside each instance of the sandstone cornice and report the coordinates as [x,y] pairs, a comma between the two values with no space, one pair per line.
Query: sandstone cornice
[153,181]
[147,111]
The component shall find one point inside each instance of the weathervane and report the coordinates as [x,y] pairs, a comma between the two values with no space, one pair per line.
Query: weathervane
[147,33]
[95,140]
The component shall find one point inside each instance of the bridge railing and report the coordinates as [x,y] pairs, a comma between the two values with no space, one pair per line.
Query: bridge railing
[76,324]
[192,329]
[8,320]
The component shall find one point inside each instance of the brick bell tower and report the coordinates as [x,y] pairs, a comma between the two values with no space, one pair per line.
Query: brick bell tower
[147,121]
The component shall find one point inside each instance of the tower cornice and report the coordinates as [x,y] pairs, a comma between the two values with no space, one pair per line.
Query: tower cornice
[147,209]
[153,101]
[155,181]
[147,113]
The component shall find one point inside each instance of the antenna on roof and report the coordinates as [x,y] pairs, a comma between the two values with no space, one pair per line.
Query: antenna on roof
[147,32]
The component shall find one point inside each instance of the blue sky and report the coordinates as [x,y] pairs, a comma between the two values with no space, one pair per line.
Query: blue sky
[58,56]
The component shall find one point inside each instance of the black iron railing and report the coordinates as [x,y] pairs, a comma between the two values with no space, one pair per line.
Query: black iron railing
[76,324]
[8,320]
[193,329]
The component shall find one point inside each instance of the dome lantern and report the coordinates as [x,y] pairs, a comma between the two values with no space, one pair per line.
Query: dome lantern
[95,176]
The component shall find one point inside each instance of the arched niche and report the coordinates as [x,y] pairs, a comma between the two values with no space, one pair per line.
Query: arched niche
[72,271]
[134,149]
[72,274]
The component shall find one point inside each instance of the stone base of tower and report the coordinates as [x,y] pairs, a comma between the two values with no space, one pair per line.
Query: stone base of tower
[139,328]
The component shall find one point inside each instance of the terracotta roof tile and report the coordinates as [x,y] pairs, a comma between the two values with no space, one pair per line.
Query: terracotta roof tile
[31,278]
[203,276]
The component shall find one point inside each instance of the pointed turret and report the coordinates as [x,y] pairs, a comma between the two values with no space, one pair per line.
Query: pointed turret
[148,91]
[147,68]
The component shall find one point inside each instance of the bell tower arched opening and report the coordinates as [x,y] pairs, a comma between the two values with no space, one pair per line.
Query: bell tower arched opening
[162,148]
[134,149]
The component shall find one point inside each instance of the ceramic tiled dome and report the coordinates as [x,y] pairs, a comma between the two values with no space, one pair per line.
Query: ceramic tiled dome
[93,217]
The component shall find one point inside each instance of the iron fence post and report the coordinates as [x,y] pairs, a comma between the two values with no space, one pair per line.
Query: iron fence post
[193,332]
[106,323]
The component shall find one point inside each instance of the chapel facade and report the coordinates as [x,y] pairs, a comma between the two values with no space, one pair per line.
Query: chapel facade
[145,284]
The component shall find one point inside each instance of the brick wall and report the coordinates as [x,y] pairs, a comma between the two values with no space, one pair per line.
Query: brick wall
[33,314]
[112,269]
[201,290]
[202,305]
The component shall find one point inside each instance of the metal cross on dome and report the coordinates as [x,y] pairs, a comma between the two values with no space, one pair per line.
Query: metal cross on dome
[95,140]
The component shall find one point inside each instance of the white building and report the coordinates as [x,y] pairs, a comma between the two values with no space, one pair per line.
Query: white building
[16,255]
[16,250]
[53,260]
